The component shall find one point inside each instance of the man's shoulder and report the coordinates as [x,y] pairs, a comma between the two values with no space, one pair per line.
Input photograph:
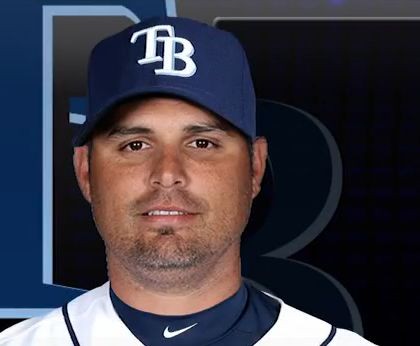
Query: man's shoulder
[344,337]
[295,327]
[49,329]
[39,328]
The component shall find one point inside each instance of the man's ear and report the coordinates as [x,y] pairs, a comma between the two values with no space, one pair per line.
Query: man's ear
[260,152]
[81,168]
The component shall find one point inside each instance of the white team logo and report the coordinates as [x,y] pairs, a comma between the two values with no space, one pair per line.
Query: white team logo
[167,334]
[169,54]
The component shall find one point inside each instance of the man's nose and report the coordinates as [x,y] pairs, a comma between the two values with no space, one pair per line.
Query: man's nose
[168,169]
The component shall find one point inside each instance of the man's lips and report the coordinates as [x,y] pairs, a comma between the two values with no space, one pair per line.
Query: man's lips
[169,219]
[162,209]
[168,214]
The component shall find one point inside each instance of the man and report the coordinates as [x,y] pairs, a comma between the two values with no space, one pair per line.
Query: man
[170,163]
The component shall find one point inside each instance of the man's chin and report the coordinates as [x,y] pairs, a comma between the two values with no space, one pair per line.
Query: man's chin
[168,252]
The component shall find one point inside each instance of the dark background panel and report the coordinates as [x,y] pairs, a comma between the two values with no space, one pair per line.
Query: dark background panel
[360,78]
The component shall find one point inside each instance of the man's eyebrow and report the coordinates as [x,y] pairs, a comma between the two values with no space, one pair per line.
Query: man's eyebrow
[200,128]
[124,131]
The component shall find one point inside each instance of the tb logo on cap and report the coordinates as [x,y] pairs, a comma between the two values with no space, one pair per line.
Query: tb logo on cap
[169,54]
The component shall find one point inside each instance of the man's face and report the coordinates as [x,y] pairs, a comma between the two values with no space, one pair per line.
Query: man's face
[160,156]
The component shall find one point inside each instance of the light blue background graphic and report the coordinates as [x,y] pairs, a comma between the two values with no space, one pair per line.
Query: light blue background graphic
[26,67]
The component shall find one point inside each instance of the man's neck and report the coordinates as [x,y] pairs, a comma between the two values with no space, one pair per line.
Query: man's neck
[207,286]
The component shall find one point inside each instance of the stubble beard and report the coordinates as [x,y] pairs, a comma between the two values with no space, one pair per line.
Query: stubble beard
[166,250]
[168,260]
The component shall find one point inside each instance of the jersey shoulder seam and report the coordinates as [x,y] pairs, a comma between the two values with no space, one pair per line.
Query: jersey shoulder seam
[330,336]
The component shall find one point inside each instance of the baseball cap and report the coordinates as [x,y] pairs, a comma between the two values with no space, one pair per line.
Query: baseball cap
[178,57]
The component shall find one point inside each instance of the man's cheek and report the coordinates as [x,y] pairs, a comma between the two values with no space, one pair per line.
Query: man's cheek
[227,193]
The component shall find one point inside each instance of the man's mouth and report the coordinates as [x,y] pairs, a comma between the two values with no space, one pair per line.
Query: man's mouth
[168,215]
[166,212]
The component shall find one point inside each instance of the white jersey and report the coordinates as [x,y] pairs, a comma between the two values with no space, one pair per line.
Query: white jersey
[90,320]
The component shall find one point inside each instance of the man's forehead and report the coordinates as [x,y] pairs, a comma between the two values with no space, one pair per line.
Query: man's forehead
[149,112]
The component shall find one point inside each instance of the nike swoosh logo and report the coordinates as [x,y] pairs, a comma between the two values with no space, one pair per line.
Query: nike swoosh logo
[167,334]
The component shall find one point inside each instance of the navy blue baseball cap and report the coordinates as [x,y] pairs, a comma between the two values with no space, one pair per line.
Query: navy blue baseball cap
[179,57]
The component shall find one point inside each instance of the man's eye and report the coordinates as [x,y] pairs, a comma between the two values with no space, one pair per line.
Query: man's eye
[135,146]
[203,144]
